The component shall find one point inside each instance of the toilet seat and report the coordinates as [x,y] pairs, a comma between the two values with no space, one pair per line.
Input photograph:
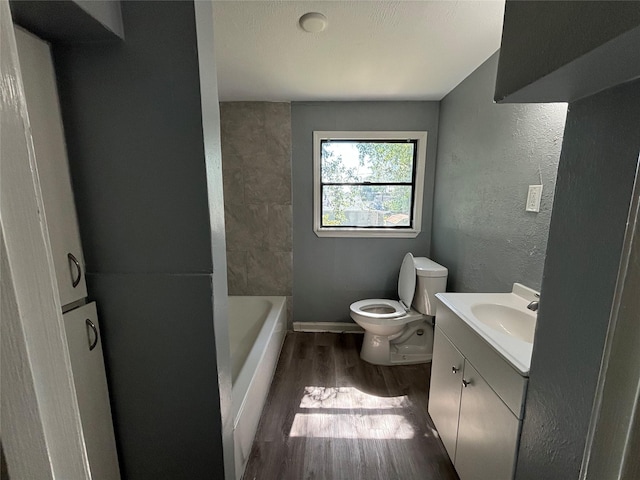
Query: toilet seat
[402,312]
[398,316]
[362,306]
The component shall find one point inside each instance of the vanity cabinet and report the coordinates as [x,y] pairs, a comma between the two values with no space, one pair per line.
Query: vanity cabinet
[487,432]
[50,151]
[475,401]
[80,318]
[445,390]
[89,378]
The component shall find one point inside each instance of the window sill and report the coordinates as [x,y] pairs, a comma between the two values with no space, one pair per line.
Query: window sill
[365,233]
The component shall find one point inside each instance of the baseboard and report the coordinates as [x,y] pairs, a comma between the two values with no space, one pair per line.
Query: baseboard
[331,327]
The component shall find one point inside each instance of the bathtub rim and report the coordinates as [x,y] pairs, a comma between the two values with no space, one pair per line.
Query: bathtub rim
[247,373]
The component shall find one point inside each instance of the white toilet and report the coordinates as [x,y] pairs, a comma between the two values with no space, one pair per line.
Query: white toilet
[395,333]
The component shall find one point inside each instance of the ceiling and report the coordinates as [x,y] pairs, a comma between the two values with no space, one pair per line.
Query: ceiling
[370,50]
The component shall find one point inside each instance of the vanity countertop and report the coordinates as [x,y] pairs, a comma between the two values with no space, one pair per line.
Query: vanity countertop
[512,347]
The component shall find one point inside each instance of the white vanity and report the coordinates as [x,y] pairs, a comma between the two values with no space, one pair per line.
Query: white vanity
[479,374]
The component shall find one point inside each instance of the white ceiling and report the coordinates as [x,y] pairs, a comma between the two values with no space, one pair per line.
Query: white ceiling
[371,50]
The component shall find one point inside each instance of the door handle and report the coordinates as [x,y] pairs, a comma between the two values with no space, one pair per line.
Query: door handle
[90,325]
[75,261]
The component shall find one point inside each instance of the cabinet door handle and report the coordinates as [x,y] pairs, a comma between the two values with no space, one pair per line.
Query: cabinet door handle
[466,383]
[75,261]
[455,369]
[90,325]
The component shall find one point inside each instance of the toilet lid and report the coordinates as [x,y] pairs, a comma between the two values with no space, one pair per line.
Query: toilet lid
[407,281]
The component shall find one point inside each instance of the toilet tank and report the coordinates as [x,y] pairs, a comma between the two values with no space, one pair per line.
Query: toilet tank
[431,279]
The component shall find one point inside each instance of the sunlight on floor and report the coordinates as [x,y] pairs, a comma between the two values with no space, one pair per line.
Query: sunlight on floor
[347,397]
[355,414]
[344,425]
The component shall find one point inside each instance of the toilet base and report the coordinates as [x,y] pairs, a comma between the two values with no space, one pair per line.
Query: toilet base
[413,345]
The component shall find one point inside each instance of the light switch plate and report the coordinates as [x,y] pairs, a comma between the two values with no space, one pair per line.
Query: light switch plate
[533,198]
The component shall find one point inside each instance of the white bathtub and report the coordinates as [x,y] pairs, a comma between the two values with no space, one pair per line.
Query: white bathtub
[257,326]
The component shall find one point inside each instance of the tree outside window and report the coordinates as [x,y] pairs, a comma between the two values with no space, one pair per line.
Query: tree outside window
[368,183]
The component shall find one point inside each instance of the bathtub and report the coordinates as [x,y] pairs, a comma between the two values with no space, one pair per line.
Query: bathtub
[257,326]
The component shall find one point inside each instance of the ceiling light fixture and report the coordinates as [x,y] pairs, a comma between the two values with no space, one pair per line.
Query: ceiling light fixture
[313,22]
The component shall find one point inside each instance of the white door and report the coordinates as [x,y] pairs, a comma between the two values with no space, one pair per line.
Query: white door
[43,107]
[488,432]
[85,350]
[445,389]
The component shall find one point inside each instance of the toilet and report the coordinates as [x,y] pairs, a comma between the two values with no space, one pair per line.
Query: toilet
[401,332]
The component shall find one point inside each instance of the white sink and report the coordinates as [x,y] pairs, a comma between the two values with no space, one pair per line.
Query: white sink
[501,319]
[508,320]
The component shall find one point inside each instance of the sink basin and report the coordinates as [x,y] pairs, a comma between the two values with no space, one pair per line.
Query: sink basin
[506,320]
[500,319]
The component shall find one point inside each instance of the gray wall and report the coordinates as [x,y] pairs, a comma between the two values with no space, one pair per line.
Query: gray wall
[566,50]
[69,21]
[331,273]
[256,168]
[488,155]
[594,187]
[107,12]
[132,114]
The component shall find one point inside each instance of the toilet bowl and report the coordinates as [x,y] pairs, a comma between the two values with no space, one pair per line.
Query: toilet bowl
[381,316]
[399,332]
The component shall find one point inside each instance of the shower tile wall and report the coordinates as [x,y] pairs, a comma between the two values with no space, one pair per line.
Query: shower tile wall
[256,167]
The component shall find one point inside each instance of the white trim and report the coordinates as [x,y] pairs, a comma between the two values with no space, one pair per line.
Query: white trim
[421,159]
[616,407]
[330,327]
[41,427]
[361,232]
[213,163]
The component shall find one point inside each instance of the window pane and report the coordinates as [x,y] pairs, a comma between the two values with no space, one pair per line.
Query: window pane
[359,161]
[366,206]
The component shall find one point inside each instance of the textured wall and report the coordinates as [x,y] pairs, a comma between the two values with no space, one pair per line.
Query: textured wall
[595,181]
[133,123]
[566,50]
[70,21]
[256,163]
[331,273]
[488,155]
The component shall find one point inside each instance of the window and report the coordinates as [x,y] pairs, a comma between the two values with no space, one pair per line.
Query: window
[368,184]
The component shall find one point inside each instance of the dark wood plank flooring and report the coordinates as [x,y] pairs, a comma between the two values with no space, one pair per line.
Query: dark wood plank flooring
[329,415]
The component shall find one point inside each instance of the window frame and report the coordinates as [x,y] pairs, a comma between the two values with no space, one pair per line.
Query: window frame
[412,231]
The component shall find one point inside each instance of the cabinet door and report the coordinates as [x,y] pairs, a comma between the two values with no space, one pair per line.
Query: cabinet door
[53,170]
[488,432]
[445,389]
[85,350]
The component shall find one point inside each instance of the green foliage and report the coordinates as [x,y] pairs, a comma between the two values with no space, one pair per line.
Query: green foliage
[389,162]
[334,170]
[378,163]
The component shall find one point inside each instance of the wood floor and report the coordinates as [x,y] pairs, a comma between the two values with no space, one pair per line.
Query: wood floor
[332,416]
